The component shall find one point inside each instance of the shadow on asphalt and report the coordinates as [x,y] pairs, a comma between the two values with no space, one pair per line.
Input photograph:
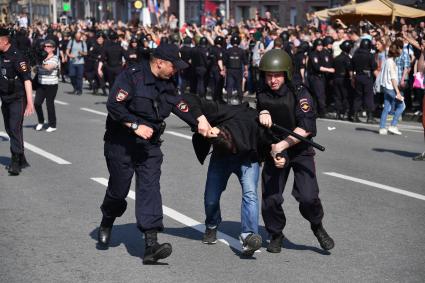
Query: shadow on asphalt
[397,152]
[367,130]
[130,236]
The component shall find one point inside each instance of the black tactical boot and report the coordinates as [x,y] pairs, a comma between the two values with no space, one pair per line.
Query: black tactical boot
[325,241]
[275,245]
[370,118]
[23,163]
[355,118]
[104,232]
[14,169]
[153,250]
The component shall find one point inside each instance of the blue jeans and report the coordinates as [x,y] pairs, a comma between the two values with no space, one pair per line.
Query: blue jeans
[219,171]
[76,74]
[391,102]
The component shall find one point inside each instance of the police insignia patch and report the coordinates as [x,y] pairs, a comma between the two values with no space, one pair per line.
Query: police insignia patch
[23,66]
[182,106]
[121,95]
[305,107]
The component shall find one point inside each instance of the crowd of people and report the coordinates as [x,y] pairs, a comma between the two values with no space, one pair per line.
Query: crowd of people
[224,58]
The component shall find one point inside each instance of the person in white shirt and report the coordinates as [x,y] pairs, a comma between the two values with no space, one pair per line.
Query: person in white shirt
[47,89]
[392,95]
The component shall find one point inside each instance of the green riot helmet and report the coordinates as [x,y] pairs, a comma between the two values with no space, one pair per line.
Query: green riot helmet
[276,60]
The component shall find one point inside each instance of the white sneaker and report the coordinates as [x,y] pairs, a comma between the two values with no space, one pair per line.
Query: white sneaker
[394,130]
[383,131]
[39,127]
[50,129]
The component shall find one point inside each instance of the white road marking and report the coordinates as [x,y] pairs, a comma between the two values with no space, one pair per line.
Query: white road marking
[57,101]
[409,128]
[40,151]
[61,102]
[185,220]
[94,111]
[376,185]
[178,135]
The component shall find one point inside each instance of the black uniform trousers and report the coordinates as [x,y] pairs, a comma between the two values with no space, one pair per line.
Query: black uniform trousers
[217,81]
[364,93]
[342,87]
[123,159]
[48,93]
[305,191]
[201,81]
[234,82]
[111,73]
[13,115]
[318,86]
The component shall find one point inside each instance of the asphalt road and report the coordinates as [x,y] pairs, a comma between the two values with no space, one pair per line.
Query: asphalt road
[373,195]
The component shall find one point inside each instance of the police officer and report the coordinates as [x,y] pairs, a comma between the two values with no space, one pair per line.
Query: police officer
[236,67]
[200,63]
[187,73]
[327,58]
[316,73]
[142,97]
[300,61]
[342,79]
[94,57]
[364,64]
[291,107]
[112,60]
[217,69]
[132,55]
[16,98]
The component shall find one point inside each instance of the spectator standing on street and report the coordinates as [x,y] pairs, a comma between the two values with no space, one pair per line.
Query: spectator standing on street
[392,95]
[76,50]
[421,69]
[47,87]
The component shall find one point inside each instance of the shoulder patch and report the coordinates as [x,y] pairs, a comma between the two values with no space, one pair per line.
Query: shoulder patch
[304,105]
[121,95]
[182,106]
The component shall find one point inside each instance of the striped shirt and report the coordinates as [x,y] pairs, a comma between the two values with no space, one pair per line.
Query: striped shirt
[49,77]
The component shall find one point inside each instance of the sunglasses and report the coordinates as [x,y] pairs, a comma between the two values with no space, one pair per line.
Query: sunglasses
[51,46]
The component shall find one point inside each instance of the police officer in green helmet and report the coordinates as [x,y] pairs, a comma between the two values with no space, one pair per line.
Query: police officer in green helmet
[292,107]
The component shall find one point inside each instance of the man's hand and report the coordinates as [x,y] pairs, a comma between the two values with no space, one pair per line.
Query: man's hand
[144,132]
[265,118]
[279,161]
[213,132]
[203,126]
[29,110]
[403,84]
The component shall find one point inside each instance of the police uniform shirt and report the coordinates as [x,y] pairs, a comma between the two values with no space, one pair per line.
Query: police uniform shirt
[138,97]
[289,109]
[216,54]
[113,54]
[13,67]
[200,57]
[186,53]
[235,58]
[327,59]
[363,60]
[314,63]
[342,65]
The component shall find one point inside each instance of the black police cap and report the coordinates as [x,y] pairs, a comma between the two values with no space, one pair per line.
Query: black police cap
[4,32]
[170,52]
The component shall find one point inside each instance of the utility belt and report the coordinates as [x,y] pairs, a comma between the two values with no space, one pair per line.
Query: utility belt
[8,86]
[364,73]
[319,75]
